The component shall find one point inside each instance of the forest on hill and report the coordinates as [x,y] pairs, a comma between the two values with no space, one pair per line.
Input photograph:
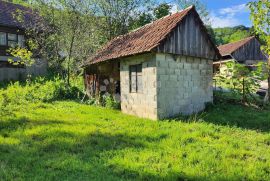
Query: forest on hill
[230,34]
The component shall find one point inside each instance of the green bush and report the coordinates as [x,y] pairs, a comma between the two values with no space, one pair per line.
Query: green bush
[111,103]
[38,90]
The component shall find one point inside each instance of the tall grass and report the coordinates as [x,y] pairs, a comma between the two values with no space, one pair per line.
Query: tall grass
[16,94]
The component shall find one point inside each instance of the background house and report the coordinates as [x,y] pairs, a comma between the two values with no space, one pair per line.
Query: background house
[247,51]
[160,70]
[13,21]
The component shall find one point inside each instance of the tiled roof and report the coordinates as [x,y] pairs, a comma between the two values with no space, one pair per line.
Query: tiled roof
[141,40]
[9,11]
[229,48]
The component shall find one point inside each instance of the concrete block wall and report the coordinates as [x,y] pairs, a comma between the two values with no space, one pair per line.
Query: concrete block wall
[184,84]
[142,104]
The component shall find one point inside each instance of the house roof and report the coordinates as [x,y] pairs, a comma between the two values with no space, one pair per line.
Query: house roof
[9,11]
[142,40]
[229,48]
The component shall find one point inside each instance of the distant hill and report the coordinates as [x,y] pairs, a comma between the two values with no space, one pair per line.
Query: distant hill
[230,34]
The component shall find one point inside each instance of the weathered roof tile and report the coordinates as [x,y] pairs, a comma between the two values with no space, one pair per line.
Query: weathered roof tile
[229,48]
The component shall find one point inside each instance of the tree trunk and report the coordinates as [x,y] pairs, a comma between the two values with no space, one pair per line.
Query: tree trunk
[71,48]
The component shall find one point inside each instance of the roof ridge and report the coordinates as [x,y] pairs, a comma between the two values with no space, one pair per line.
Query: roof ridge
[171,14]
[229,48]
[137,29]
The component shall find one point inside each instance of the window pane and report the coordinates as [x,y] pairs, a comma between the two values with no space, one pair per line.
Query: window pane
[21,40]
[133,84]
[139,78]
[135,73]
[12,37]
[139,83]
[132,74]
[12,43]
[3,38]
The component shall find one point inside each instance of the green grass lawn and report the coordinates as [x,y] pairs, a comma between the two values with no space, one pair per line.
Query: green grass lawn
[71,141]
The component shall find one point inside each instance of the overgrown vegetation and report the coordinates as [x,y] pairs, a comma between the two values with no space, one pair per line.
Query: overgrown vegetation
[19,94]
[241,81]
[14,95]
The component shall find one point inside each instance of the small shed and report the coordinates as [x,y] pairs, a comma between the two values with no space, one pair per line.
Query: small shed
[246,51]
[160,70]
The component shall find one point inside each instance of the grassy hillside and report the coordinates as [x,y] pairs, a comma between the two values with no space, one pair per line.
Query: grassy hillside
[71,141]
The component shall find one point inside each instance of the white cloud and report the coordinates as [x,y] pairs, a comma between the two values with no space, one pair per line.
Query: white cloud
[223,21]
[174,8]
[233,10]
[227,17]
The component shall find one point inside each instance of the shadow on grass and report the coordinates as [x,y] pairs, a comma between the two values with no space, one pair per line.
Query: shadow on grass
[66,155]
[87,159]
[12,124]
[235,116]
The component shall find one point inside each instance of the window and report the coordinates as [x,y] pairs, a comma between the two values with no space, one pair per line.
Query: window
[12,39]
[3,38]
[135,77]
[21,40]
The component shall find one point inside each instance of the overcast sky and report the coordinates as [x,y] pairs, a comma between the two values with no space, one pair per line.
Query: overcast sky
[227,13]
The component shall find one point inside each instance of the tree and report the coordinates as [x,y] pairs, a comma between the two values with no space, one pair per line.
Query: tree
[140,21]
[162,10]
[200,7]
[231,34]
[64,36]
[119,14]
[260,16]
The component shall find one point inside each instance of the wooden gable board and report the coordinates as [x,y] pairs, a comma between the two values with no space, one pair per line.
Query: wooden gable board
[189,38]
[249,51]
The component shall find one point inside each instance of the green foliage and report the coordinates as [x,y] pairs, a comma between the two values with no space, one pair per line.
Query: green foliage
[18,94]
[72,141]
[162,10]
[23,56]
[200,7]
[143,19]
[110,102]
[260,16]
[240,79]
[230,34]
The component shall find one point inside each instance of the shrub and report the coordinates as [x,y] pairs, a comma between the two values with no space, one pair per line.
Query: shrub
[38,90]
[242,81]
[111,103]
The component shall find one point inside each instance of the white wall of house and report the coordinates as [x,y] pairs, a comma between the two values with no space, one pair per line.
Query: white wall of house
[144,103]
[184,84]
[172,85]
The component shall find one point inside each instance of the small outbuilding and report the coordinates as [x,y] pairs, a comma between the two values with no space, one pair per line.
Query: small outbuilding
[160,70]
[246,51]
